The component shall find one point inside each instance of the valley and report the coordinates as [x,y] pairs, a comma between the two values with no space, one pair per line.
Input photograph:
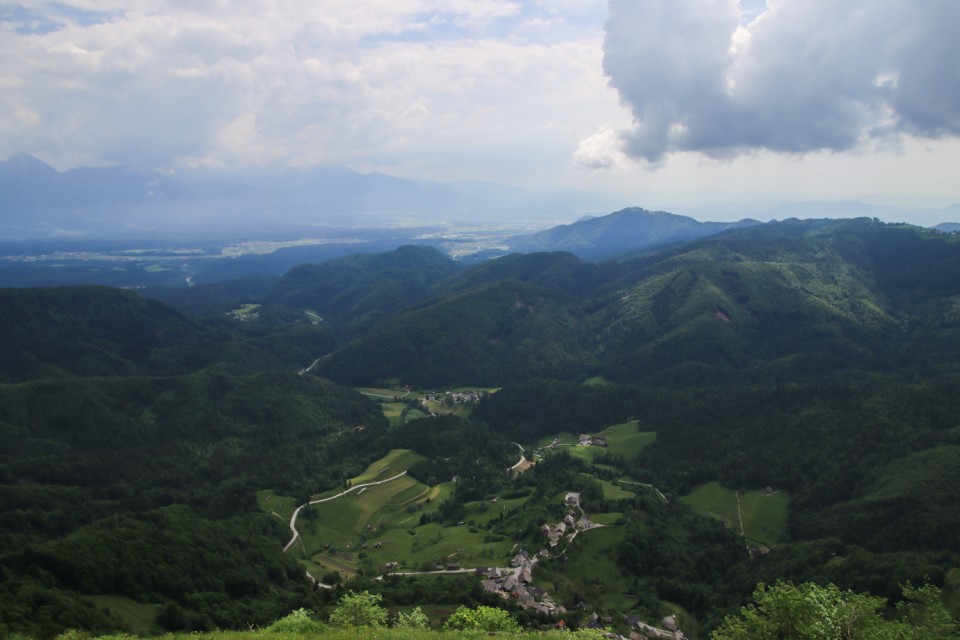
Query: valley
[773,402]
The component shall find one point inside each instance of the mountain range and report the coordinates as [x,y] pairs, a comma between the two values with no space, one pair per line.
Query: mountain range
[39,201]
[152,449]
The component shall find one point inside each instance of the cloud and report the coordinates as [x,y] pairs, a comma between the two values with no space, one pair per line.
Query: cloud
[428,86]
[799,76]
[601,151]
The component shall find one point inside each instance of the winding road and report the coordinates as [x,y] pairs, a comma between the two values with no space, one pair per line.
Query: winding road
[293,519]
[522,457]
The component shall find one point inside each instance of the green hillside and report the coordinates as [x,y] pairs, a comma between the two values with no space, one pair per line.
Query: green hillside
[151,461]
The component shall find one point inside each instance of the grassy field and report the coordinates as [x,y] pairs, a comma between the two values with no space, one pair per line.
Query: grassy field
[139,617]
[374,525]
[764,515]
[283,506]
[624,439]
[591,569]
[332,633]
[951,591]
[614,492]
[245,311]
[481,513]
[391,464]
[404,405]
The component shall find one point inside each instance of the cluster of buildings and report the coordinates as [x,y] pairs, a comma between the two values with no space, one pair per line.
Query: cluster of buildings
[450,398]
[516,583]
[591,441]
[643,631]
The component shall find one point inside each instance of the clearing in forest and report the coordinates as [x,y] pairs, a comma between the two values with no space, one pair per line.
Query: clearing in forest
[762,514]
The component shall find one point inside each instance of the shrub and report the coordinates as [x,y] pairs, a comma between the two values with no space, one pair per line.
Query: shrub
[482,618]
[359,610]
[298,622]
[416,619]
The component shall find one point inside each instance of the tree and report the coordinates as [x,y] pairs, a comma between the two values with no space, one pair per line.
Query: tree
[298,622]
[359,610]
[813,612]
[416,619]
[482,619]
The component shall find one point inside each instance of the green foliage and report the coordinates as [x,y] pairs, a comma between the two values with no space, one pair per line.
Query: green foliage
[416,619]
[296,622]
[813,612]
[482,618]
[359,610]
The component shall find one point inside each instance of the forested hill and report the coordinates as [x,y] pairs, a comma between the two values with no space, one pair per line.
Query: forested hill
[782,300]
[628,230]
[816,360]
[99,331]
[95,331]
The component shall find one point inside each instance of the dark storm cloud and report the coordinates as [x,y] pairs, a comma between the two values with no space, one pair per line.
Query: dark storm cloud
[802,76]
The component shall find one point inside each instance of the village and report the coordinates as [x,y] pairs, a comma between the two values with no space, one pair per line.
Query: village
[516,582]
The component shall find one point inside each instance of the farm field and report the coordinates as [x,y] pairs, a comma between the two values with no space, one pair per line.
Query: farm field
[395,462]
[626,440]
[764,514]
[282,506]
[372,526]
[591,567]
[401,406]
[614,492]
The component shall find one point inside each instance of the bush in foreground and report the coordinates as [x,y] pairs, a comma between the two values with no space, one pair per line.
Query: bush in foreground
[481,619]
[359,610]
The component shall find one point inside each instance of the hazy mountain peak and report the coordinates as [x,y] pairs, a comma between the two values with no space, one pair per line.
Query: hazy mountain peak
[24,162]
[623,231]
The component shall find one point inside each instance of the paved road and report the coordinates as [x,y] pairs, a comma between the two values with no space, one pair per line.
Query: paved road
[293,519]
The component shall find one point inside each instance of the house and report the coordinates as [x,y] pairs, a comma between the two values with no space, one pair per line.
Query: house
[670,623]
[526,574]
[390,566]
[572,499]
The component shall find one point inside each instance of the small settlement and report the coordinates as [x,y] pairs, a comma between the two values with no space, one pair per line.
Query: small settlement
[517,582]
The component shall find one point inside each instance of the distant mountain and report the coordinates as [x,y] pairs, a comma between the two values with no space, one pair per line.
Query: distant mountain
[39,201]
[36,200]
[627,230]
[347,290]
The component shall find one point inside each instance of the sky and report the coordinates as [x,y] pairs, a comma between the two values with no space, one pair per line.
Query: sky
[675,104]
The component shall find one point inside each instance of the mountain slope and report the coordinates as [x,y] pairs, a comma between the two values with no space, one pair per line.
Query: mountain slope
[632,229]
[489,335]
[785,299]
[346,290]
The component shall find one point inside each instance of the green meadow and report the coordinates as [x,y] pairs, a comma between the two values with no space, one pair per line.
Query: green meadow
[395,462]
[764,514]
[139,617]
[626,440]
[401,406]
[369,527]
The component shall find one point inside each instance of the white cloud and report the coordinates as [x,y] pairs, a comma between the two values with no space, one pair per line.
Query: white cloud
[796,76]
[602,150]
[404,84]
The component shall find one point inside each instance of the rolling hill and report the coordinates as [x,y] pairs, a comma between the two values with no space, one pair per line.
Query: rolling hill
[818,358]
